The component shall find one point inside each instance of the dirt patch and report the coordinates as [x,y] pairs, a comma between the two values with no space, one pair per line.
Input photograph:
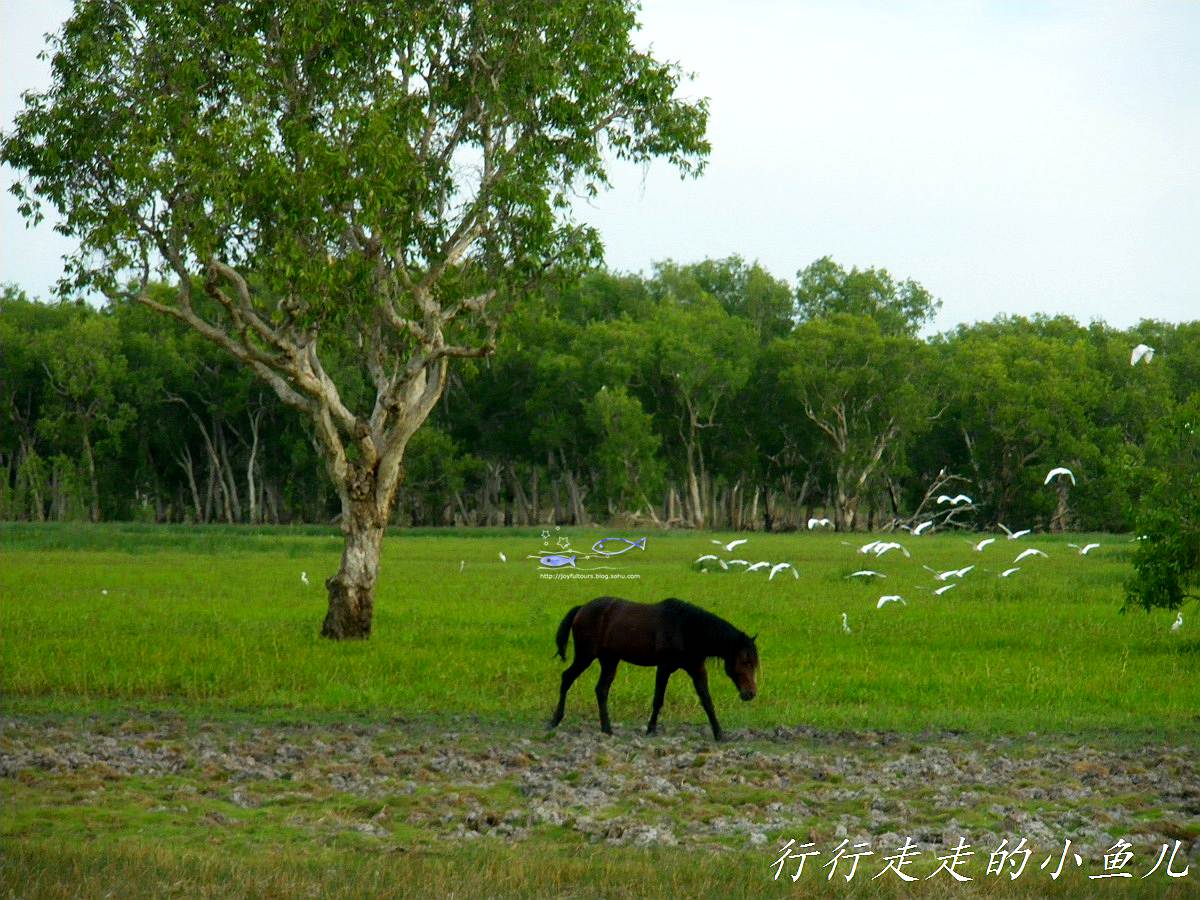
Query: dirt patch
[757,789]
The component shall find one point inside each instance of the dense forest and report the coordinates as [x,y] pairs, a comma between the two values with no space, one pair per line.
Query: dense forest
[703,395]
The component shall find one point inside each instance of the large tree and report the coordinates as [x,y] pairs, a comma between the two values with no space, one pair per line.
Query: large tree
[385,177]
[861,389]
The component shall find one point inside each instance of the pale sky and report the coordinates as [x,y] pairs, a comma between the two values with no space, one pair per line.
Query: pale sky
[1012,157]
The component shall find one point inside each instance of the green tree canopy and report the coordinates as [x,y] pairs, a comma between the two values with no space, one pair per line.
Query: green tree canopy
[825,288]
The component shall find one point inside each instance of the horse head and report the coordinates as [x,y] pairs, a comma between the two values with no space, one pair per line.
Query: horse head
[741,666]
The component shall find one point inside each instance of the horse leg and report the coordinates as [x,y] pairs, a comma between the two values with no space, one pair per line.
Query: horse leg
[660,692]
[700,682]
[608,671]
[578,666]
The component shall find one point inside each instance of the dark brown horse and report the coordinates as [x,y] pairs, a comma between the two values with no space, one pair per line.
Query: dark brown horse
[670,635]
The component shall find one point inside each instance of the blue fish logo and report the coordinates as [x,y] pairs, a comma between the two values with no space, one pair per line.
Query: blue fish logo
[554,561]
[598,547]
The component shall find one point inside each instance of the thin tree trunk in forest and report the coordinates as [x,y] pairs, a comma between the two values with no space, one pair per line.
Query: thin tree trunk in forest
[234,506]
[90,458]
[251,492]
[1061,520]
[29,464]
[536,513]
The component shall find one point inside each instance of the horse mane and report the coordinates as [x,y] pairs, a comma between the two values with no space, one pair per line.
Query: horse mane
[704,629]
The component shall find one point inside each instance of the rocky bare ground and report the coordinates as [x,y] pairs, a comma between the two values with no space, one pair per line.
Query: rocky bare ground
[756,790]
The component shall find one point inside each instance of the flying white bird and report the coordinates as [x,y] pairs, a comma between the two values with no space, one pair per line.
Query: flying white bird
[739,562]
[916,532]
[889,598]
[758,565]
[729,547]
[1013,535]
[705,557]
[1008,572]
[1175,627]
[949,573]
[1140,352]
[845,624]
[955,500]
[866,573]
[1060,470]
[1032,551]
[819,523]
[1085,549]
[304,578]
[503,558]
[942,590]
[979,547]
[882,548]
[868,548]
[779,567]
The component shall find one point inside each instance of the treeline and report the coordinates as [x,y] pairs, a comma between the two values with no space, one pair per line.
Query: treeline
[703,395]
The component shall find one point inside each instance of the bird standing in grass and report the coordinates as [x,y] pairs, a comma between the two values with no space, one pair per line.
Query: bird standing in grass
[304,578]
[1175,627]
[845,623]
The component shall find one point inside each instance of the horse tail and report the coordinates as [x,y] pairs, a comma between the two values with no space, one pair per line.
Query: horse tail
[564,631]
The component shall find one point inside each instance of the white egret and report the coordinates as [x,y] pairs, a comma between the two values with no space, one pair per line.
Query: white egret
[1059,470]
[979,547]
[503,558]
[304,578]
[955,500]
[869,547]
[462,564]
[758,565]
[1024,554]
[866,573]
[1085,549]
[889,598]
[916,532]
[882,548]
[739,562]
[1008,572]
[1140,352]
[779,567]
[1175,627]
[705,558]
[729,547]
[845,624]
[1013,535]
[942,590]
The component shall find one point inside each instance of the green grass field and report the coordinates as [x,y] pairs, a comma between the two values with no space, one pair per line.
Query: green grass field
[217,621]
[101,624]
